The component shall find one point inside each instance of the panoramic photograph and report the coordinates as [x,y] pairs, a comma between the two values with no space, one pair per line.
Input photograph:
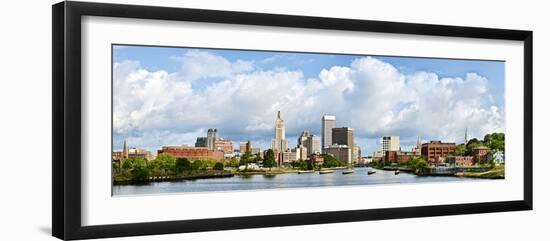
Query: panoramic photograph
[188,120]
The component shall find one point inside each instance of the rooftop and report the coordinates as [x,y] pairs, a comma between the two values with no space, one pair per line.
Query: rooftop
[481,148]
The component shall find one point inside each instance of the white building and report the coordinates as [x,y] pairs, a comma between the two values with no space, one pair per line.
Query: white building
[302,139]
[497,157]
[309,141]
[313,145]
[356,155]
[327,123]
[279,144]
[289,156]
[301,152]
[390,143]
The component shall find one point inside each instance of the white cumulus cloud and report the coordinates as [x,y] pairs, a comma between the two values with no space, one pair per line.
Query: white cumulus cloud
[155,108]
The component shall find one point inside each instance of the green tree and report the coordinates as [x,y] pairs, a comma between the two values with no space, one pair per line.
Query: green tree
[140,171]
[197,165]
[183,165]
[330,161]
[269,160]
[460,150]
[419,165]
[495,141]
[115,167]
[233,162]
[218,166]
[257,159]
[246,158]
[165,163]
[301,164]
[309,165]
[136,169]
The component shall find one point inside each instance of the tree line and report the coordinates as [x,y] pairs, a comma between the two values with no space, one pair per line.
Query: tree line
[138,169]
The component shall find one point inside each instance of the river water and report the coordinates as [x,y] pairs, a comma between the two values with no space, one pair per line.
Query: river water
[292,180]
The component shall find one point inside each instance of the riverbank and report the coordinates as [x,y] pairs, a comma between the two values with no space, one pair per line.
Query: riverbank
[496,173]
[117,180]
[469,172]
[276,181]
[121,180]
[278,171]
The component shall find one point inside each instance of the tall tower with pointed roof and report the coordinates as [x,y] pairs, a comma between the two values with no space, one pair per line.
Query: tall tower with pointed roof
[279,143]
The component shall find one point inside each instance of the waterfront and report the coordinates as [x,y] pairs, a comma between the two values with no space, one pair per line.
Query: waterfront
[290,180]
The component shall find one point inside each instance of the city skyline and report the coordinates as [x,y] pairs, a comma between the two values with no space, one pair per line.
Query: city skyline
[171,96]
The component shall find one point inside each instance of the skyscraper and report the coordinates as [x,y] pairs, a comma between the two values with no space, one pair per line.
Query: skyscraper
[343,136]
[313,144]
[211,137]
[303,137]
[279,144]
[327,123]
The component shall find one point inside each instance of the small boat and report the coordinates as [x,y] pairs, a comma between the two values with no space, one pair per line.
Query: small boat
[326,171]
[348,171]
[371,172]
[270,174]
[396,172]
[306,171]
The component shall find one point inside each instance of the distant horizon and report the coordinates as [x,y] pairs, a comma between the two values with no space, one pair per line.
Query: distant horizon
[164,96]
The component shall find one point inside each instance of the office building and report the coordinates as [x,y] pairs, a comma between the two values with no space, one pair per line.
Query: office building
[302,139]
[301,152]
[223,145]
[341,152]
[310,141]
[313,145]
[327,123]
[356,156]
[344,136]
[245,146]
[390,143]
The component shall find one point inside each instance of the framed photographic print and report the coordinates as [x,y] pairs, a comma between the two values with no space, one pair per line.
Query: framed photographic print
[170,120]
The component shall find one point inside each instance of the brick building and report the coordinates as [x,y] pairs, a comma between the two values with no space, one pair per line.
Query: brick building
[480,154]
[460,160]
[399,156]
[223,145]
[192,152]
[316,159]
[436,151]
[390,156]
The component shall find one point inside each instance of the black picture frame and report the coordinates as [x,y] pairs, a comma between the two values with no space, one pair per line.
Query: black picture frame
[66,127]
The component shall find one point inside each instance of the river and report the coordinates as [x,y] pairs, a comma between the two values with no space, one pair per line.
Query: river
[291,180]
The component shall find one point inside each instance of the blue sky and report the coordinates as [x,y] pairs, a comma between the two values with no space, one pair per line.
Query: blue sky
[471,90]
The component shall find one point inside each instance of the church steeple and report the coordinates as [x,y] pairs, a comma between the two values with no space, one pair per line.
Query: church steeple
[466,136]
[124,151]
